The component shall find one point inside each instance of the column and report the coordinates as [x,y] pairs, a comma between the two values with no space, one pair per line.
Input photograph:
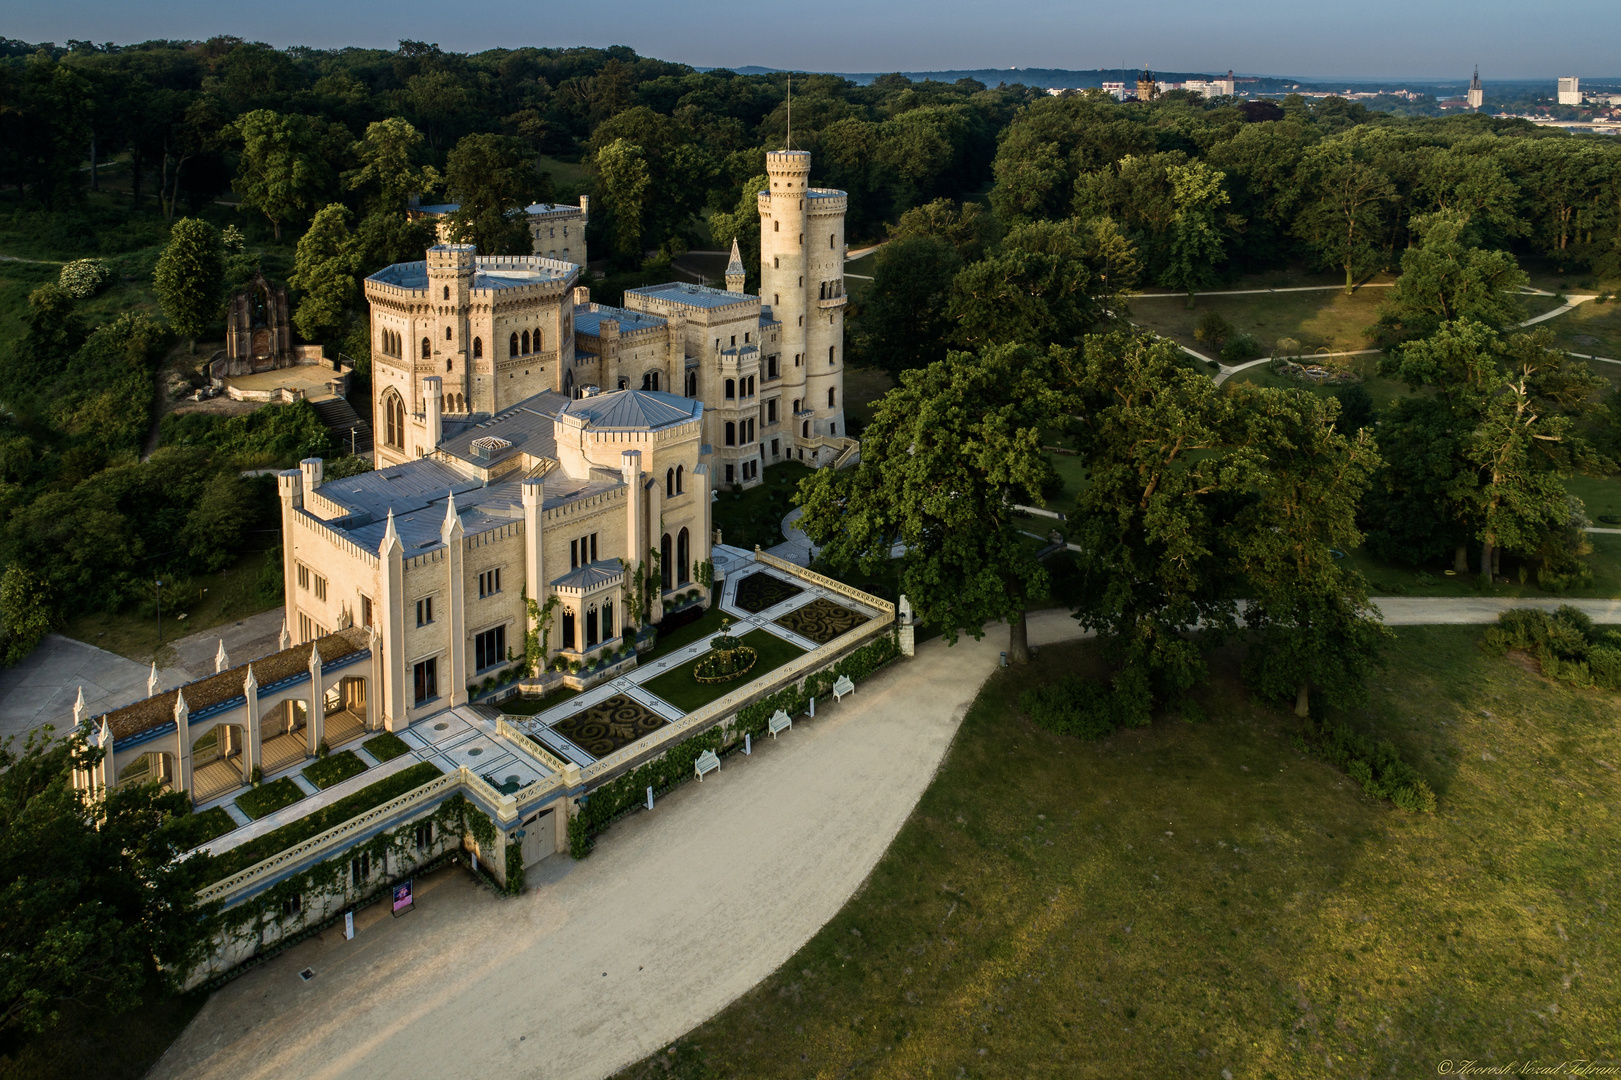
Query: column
[182,729]
[451,533]
[534,502]
[391,611]
[433,389]
[374,684]
[315,723]
[290,486]
[635,550]
[655,539]
[254,738]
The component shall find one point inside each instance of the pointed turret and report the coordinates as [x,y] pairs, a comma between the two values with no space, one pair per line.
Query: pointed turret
[453,522]
[250,685]
[152,681]
[735,273]
[221,659]
[391,535]
[182,711]
[79,709]
[286,640]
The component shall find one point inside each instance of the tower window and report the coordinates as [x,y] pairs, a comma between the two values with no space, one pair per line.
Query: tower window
[776,226]
[447,333]
[731,388]
[427,348]
[830,350]
[830,394]
[478,348]
[512,345]
[447,292]
[830,240]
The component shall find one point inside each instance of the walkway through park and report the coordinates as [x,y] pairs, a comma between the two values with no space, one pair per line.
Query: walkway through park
[676,914]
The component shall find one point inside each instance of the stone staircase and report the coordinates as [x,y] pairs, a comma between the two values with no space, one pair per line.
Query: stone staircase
[340,419]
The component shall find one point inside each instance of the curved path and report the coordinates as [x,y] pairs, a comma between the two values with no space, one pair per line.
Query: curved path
[677,913]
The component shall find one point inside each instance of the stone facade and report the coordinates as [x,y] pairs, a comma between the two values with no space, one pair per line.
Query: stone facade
[557,231]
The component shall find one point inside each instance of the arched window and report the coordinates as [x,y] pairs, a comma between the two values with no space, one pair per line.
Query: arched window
[776,226]
[447,292]
[526,343]
[683,557]
[692,384]
[427,348]
[450,365]
[776,263]
[669,483]
[607,619]
[829,240]
[731,433]
[796,404]
[478,348]
[830,392]
[568,628]
[804,430]
[664,562]
[590,626]
[751,386]
[534,341]
[394,420]
[822,293]
[680,480]
[731,388]
[447,333]
[512,345]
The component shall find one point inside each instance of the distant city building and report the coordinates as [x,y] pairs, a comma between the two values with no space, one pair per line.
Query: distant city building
[1146,86]
[1116,90]
[1477,95]
[1570,91]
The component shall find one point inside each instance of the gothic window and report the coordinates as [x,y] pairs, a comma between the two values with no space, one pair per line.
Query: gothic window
[796,404]
[731,388]
[607,620]
[478,348]
[776,263]
[535,341]
[731,433]
[447,292]
[512,345]
[450,365]
[804,430]
[669,483]
[525,349]
[692,384]
[664,562]
[771,411]
[830,392]
[771,367]
[680,486]
[830,350]
[683,558]
[447,333]
[394,420]
[568,629]
[751,386]
[427,348]
[591,626]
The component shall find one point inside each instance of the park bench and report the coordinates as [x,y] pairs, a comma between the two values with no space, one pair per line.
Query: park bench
[779,721]
[841,686]
[707,763]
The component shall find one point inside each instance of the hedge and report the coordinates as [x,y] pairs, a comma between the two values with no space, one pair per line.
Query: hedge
[385,747]
[319,821]
[268,798]
[334,769]
[1378,767]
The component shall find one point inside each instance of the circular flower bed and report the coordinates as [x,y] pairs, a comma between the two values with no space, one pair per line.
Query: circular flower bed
[719,666]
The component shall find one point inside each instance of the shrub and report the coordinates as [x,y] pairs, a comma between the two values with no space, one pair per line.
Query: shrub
[1078,706]
[385,747]
[514,869]
[83,278]
[1240,348]
[1378,767]
[1565,642]
[323,772]
[1212,330]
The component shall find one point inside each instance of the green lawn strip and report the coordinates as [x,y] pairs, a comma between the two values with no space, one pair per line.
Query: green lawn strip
[1392,579]
[260,848]
[1198,898]
[755,516]
[198,829]
[524,706]
[334,769]
[680,689]
[1326,319]
[707,626]
[385,747]
[268,798]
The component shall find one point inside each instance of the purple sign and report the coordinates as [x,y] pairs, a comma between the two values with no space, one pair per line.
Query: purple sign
[402,897]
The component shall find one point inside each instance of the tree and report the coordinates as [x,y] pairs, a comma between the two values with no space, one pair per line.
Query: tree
[1148,523]
[624,181]
[1309,610]
[189,277]
[280,174]
[1421,505]
[966,227]
[946,454]
[325,269]
[742,224]
[1444,279]
[98,905]
[388,172]
[1036,289]
[1341,218]
[1196,243]
[493,180]
[25,613]
[902,319]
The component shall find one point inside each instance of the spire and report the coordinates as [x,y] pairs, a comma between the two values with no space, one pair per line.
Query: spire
[221,659]
[453,523]
[79,708]
[249,683]
[391,535]
[284,642]
[182,711]
[315,658]
[735,274]
[104,737]
[152,681]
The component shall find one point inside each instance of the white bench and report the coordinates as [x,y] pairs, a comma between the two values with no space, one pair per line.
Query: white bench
[707,763]
[841,686]
[780,721]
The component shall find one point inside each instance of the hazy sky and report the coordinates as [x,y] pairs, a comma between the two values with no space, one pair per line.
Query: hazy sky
[1311,38]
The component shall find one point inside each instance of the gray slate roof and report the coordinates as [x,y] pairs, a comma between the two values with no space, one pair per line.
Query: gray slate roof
[635,410]
[588,319]
[698,296]
[414,275]
[589,576]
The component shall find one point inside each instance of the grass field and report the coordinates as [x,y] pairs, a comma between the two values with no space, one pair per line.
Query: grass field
[1183,900]
[680,689]
[755,516]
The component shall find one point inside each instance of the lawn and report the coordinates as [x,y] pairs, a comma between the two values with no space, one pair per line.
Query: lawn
[268,798]
[1204,900]
[680,689]
[755,516]
[385,747]
[527,706]
[334,769]
[1328,319]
